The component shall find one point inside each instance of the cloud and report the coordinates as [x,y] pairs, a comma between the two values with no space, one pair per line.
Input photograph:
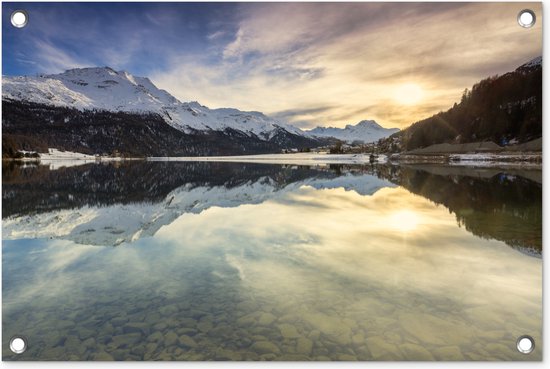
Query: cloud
[284,57]
[51,59]
[352,58]
[300,112]
[302,118]
[215,35]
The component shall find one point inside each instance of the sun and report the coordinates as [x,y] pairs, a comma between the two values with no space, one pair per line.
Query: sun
[408,94]
[404,221]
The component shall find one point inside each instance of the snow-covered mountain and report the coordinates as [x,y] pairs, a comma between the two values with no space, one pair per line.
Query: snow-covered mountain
[367,131]
[106,89]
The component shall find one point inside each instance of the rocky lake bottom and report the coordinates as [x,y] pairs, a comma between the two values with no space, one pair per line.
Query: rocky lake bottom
[217,322]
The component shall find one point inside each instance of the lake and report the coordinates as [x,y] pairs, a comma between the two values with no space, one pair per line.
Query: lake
[229,261]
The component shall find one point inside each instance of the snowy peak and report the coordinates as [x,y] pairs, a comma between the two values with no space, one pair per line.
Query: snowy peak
[368,123]
[105,77]
[366,131]
[104,88]
[89,88]
[530,65]
[533,63]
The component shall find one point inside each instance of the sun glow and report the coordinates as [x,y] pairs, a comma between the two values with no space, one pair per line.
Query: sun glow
[404,221]
[408,94]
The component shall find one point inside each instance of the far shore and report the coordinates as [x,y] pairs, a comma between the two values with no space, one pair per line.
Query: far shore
[485,159]
[57,159]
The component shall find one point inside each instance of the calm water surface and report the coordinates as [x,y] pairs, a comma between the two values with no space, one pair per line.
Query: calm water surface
[220,261]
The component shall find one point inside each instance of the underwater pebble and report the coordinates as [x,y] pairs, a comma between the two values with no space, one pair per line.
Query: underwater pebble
[155,337]
[119,321]
[170,339]
[136,328]
[448,353]
[266,319]
[187,341]
[265,347]
[125,340]
[103,356]
[288,331]
[304,346]
[415,352]
[382,350]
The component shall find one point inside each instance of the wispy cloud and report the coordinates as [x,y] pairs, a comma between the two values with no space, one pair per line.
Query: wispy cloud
[302,118]
[215,35]
[349,57]
[352,59]
[51,59]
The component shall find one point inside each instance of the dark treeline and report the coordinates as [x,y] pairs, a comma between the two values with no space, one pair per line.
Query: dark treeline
[498,109]
[36,127]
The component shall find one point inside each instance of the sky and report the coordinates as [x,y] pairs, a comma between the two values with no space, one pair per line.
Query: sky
[310,64]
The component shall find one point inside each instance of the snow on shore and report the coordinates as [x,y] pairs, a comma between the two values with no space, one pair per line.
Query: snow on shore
[56,158]
[55,154]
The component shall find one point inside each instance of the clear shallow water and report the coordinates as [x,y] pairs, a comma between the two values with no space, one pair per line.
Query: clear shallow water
[187,261]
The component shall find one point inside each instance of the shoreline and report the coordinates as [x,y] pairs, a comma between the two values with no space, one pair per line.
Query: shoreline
[525,159]
[485,159]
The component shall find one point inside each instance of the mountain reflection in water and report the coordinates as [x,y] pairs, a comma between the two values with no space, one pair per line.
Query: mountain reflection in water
[489,203]
[226,261]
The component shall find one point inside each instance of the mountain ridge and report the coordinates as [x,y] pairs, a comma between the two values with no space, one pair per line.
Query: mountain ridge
[101,111]
[367,131]
[104,88]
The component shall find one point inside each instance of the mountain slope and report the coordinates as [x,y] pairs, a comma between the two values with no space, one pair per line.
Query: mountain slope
[107,89]
[100,110]
[35,127]
[502,109]
[366,131]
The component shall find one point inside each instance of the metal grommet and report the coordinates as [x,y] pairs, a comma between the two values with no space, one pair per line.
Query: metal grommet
[527,18]
[19,18]
[525,344]
[18,344]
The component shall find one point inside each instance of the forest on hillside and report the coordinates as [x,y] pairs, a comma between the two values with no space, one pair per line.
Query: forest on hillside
[37,127]
[502,109]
